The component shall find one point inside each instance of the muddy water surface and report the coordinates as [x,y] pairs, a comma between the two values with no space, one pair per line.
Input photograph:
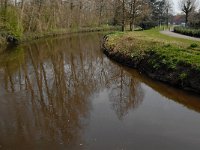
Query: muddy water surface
[64,94]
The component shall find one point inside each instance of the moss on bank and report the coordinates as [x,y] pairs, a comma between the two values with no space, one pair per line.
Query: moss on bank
[173,61]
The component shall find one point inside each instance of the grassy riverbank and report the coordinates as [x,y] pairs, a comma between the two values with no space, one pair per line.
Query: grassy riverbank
[26,37]
[172,60]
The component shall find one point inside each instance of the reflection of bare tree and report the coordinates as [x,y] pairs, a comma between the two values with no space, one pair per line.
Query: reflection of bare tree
[10,60]
[126,94]
[58,77]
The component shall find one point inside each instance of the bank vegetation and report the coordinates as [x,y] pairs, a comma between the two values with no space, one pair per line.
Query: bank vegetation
[167,59]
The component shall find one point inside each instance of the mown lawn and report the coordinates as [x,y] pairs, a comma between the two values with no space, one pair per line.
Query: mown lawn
[170,50]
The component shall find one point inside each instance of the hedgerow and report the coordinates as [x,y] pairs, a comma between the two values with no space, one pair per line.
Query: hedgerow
[188,31]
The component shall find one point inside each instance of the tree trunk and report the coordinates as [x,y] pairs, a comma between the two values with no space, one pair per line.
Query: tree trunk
[5,9]
[186,19]
[123,15]
[132,25]
[167,18]
[15,2]
[132,21]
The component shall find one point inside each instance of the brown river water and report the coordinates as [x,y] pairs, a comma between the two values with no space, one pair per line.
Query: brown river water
[65,94]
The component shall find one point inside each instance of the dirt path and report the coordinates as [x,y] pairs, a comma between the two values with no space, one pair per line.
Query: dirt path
[169,33]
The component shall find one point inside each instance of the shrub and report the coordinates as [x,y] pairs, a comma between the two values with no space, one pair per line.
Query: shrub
[194,45]
[187,31]
[183,76]
[12,25]
[145,25]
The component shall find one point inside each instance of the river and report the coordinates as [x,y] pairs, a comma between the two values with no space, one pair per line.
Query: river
[65,94]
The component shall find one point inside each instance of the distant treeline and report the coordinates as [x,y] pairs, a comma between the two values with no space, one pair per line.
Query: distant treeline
[24,16]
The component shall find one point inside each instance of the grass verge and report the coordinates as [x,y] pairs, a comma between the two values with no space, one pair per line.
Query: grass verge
[172,60]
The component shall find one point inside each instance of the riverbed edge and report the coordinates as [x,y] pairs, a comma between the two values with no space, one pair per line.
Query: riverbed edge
[173,77]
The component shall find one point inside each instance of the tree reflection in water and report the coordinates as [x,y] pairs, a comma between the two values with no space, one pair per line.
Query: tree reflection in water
[126,94]
[48,96]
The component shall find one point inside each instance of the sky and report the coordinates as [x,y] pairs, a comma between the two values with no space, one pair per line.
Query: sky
[175,5]
[176,8]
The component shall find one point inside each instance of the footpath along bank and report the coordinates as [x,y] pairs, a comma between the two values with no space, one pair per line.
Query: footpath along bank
[168,59]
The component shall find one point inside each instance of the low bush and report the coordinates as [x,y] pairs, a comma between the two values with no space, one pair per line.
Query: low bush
[194,45]
[188,31]
[145,25]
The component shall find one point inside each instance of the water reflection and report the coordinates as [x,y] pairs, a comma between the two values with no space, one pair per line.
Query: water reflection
[187,99]
[49,98]
[46,89]
[10,61]
[126,94]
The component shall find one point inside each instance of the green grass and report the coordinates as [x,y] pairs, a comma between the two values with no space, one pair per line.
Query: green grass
[170,51]
[155,34]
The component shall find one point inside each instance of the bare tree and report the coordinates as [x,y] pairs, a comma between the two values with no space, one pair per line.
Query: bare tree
[168,9]
[135,10]
[187,6]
